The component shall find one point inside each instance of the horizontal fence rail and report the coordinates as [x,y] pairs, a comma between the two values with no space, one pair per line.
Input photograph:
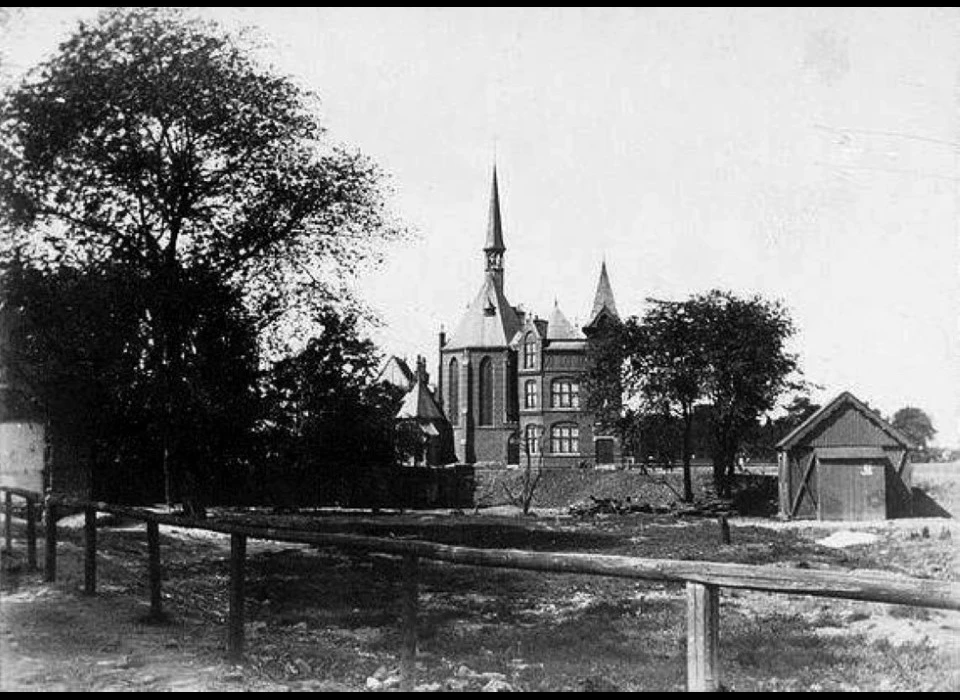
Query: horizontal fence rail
[702,578]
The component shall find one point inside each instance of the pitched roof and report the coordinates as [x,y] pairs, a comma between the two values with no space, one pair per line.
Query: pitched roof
[494,225]
[603,299]
[397,372]
[559,328]
[489,321]
[823,413]
[419,404]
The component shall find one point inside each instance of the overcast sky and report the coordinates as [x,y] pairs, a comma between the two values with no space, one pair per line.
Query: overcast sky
[809,155]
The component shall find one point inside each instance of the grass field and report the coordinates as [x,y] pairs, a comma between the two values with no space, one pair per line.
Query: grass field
[320,619]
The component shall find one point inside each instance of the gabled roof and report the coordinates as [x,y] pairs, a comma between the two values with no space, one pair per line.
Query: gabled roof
[825,412]
[489,321]
[603,301]
[419,404]
[397,372]
[559,328]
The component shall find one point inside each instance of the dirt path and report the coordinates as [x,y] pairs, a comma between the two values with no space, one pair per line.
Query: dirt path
[55,638]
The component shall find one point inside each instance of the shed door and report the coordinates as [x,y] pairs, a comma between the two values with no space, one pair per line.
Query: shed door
[852,490]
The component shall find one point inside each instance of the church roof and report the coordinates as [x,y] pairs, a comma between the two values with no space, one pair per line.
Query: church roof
[397,372]
[489,321]
[559,328]
[494,224]
[603,299]
[420,404]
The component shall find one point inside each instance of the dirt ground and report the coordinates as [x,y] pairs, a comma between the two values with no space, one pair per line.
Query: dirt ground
[323,620]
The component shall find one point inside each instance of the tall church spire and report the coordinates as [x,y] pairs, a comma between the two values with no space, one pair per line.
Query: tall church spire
[494,248]
[603,299]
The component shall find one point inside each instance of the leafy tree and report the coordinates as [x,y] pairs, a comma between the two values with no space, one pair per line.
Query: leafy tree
[668,366]
[915,424]
[743,345]
[715,349]
[153,140]
[73,350]
[330,423]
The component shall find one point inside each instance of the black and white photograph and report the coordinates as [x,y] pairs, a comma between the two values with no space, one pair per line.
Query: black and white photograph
[479,349]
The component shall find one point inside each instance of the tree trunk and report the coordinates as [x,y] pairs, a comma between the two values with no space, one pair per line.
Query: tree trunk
[687,434]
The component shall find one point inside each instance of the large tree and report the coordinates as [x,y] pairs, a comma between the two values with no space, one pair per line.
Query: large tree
[743,341]
[73,356]
[153,140]
[915,424]
[331,424]
[711,351]
[668,369]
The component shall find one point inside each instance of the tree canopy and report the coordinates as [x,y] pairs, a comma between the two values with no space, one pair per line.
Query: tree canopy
[915,424]
[154,139]
[714,349]
[153,146]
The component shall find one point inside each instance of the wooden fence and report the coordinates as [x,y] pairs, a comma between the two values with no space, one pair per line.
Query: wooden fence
[703,579]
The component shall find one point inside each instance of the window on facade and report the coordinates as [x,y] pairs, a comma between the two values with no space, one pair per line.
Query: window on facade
[530,394]
[565,438]
[453,405]
[485,416]
[531,436]
[565,393]
[529,351]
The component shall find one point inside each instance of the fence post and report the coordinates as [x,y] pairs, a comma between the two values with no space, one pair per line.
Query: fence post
[703,635]
[238,553]
[724,530]
[50,543]
[8,523]
[90,551]
[408,654]
[31,535]
[153,555]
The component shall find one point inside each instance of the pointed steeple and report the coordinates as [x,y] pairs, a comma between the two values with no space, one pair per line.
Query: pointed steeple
[494,248]
[494,225]
[603,299]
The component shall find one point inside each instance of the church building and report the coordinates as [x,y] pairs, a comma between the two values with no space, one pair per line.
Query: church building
[511,384]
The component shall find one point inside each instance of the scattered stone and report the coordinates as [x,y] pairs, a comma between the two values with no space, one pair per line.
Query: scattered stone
[847,538]
[497,686]
[427,688]
[373,683]
[491,676]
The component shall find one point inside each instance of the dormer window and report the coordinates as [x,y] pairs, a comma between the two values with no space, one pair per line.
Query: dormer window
[529,351]
[489,309]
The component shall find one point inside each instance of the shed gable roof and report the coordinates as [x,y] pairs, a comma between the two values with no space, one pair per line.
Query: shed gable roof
[845,401]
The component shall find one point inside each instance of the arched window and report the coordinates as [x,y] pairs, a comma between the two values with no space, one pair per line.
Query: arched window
[565,393]
[453,404]
[530,393]
[529,351]
[531,437]
[485,416]
[565,438]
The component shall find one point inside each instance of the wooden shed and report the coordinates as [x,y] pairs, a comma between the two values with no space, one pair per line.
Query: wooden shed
[844,462]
